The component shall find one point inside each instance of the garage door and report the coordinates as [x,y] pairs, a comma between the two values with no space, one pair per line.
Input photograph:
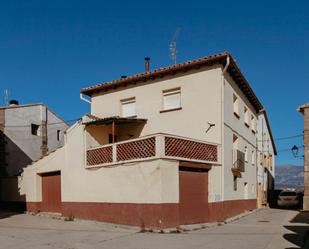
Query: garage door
[193,202]
[51,192]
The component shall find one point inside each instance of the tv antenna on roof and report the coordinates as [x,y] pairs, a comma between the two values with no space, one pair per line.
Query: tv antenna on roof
[173,47]
[6,97]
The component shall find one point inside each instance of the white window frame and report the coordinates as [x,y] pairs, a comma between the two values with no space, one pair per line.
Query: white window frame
[128,101]
[170,92]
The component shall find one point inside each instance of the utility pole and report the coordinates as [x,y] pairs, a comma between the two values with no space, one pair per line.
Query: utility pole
[44,125]
[304,110]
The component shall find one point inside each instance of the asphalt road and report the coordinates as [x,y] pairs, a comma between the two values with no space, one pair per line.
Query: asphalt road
[265,228]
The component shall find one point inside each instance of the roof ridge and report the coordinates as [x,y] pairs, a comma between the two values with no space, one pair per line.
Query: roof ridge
[188,62]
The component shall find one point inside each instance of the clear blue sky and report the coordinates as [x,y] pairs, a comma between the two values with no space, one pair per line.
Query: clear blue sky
[49,50]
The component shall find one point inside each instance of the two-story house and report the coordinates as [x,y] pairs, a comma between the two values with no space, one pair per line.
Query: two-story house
[176,145]
[27,133]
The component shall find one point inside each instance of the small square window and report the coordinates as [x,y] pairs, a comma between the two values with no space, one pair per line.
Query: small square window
[128,107]
[171,99]
[35,129]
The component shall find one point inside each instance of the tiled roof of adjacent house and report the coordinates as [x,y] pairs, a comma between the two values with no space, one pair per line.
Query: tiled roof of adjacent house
[211,60]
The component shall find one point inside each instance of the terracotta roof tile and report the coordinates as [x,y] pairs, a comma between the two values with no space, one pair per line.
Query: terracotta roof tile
[220,58]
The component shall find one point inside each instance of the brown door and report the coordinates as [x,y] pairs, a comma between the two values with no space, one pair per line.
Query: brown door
[193,203]
[51,192]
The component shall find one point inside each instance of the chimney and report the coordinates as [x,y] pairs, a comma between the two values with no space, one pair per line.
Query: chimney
[13,102]
[147,64]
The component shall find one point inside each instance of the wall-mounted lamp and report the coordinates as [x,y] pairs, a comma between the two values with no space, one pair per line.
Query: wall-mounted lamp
[294,150]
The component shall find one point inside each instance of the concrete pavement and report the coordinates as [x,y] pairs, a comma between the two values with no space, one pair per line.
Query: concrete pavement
[266,228]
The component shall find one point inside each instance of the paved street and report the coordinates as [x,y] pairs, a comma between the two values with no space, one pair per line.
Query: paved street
[267,228]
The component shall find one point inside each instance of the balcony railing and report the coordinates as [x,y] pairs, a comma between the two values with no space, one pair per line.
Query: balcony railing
[153,147]
[239,160]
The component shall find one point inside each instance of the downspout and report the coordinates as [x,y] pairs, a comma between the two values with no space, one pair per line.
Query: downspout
[222,128]
[84,99]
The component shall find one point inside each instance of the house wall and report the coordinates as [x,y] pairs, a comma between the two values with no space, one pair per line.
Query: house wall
[145,182]
[22,147]
[265,148]
[149,190]
[246,138]
[200,100]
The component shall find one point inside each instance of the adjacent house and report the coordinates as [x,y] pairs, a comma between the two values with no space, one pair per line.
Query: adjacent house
[266,152]
[27,133]
[304,110]
[176,145]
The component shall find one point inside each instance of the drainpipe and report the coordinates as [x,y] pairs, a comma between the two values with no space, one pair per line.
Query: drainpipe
[222,128]
[84,99]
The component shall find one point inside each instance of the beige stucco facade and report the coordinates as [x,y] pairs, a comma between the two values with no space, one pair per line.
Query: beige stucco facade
[205,118]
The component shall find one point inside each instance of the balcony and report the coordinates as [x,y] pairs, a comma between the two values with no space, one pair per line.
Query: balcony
[152,147]
[238,162]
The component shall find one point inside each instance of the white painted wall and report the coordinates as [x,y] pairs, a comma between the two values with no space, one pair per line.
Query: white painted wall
[200,101]
[246,138]
[265,147]
[145,182]
[156,181]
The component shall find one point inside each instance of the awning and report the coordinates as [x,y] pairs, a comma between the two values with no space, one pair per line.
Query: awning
[112,120]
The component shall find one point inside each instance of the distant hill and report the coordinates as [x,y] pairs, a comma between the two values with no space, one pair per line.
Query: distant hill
[289,176]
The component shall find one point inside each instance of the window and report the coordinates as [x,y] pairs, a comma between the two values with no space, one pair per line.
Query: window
[246,154]
[35,129]
[235,182]
[236,105]
[246,115]
[253,123]
[128,107]
[58,135]
[171,99]
[253,158]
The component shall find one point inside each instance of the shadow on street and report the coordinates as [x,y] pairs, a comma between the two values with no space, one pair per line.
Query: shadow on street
[299,232]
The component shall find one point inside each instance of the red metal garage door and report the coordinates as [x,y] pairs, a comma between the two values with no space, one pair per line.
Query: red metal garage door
[193,203]
[51,192]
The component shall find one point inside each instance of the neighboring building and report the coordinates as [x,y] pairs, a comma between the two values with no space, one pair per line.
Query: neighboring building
[177,145]
[304,109]
[265,161]
[27,133]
